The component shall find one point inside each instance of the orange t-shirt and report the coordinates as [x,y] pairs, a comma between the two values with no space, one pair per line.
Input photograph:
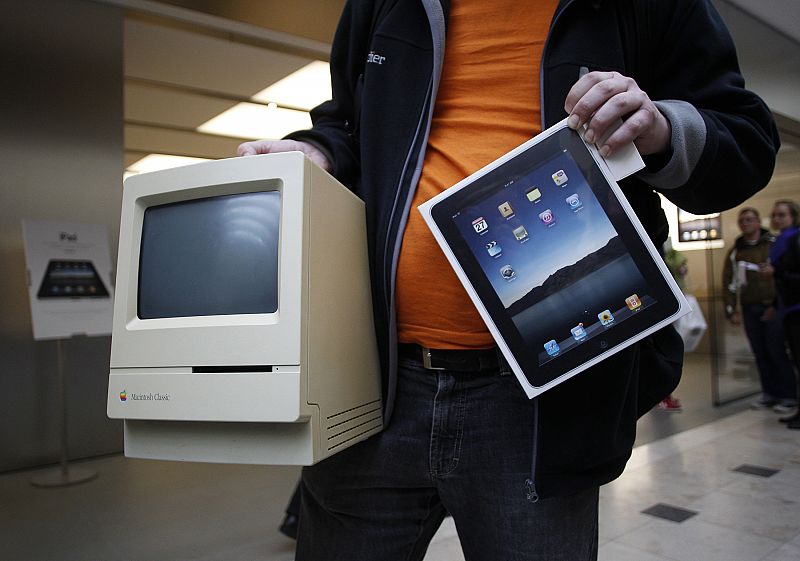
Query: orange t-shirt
[487,104]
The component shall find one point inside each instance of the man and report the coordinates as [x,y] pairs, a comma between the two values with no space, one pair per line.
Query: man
[424,93]
[744,283]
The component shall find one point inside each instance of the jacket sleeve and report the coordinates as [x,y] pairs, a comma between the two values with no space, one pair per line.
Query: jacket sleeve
[724,139]
[787,270]
[334,120]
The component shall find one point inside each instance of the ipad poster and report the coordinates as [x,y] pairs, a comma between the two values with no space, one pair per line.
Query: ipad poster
[69,278]
[555,260]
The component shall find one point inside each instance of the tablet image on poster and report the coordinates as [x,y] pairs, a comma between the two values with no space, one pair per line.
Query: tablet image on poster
[71,278]
[553,258]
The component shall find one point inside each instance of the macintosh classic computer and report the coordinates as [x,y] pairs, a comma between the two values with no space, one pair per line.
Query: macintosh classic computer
[243,325]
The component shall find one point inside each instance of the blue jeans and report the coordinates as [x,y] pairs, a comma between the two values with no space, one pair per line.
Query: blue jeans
[458,442]
[775,368]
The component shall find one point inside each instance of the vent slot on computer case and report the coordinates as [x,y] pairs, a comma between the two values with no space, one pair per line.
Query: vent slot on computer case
[353,423]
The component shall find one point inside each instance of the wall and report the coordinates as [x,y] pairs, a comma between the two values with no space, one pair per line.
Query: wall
[61,153]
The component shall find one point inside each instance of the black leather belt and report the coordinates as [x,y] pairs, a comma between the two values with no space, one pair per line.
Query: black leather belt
[450,359]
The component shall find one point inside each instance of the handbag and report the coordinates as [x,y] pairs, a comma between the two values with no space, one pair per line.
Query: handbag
[692,326]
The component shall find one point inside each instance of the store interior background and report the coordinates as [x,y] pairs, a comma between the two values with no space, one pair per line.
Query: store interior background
[93,86]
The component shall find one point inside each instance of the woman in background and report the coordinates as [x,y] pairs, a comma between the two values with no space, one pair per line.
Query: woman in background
[784,266]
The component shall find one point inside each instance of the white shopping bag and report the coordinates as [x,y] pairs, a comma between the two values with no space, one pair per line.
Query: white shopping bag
[692,326]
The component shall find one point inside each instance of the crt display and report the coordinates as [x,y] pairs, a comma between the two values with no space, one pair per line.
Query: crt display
[211,256]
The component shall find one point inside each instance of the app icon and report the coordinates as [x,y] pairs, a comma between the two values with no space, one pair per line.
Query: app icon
[633,302]
[547,217]
[505,209]
[520,233]
[494,249]
[480,225]
[605,317]
[534,194]
[574,202]
[578,332]
[507,272]
[552,347]
[560,177]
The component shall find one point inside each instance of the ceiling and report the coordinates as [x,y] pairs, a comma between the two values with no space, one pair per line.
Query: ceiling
[187,61]
[312,19]
[781,15]
[177,79]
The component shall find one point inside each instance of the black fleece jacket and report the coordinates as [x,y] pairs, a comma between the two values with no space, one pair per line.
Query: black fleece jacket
[385,65]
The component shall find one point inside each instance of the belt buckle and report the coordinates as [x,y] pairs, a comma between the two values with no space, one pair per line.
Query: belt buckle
[426,360]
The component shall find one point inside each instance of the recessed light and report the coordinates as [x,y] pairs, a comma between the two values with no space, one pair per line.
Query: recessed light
[250,120]
[304,89]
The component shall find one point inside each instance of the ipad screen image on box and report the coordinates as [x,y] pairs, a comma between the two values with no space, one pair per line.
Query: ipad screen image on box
[554,258]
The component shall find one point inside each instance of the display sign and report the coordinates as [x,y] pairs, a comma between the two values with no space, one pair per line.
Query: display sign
[699,227]
[69,279]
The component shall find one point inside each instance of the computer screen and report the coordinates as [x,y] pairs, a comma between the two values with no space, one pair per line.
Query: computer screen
[210,256]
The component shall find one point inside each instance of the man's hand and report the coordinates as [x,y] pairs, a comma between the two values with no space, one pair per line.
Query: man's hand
[272,146]
[601,98]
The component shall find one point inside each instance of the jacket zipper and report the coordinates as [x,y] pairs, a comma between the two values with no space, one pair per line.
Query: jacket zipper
[390,281]
[435,13]
[530,484]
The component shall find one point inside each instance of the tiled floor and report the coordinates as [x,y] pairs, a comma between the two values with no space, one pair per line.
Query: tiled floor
[162,511]
[740,517]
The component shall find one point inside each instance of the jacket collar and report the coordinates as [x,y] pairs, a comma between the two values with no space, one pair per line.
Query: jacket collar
[765,237]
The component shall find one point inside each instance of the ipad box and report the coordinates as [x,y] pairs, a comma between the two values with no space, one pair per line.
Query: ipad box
[243,327]
[554,258]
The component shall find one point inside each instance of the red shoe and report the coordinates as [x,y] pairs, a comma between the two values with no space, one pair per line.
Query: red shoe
[670,403]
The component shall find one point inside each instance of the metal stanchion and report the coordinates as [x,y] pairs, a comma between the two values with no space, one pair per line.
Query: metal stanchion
[63,475]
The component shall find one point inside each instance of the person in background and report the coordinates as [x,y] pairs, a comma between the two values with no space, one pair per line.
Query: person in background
[291,519]
[784,267]
[749,296]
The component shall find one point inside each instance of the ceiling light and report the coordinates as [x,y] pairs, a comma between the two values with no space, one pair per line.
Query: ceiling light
[304,89]
[155,162]
[250,120]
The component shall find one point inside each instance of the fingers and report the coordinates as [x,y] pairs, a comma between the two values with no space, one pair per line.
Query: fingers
[592,92]
[317,157]
[633,128]
[600,99]
[255,147]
